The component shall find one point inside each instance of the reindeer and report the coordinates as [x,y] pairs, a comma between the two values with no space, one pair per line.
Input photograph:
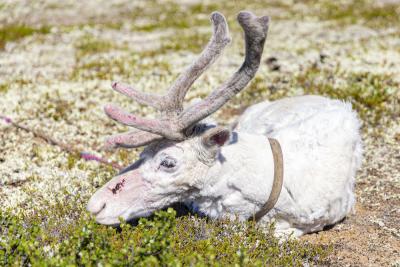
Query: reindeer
[291,161]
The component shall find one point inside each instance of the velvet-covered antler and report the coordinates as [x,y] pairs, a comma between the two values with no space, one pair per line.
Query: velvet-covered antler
[174,120]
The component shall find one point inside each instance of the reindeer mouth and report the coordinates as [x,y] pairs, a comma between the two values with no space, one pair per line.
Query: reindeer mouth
[113,221]
[122,197]
[104,219]
[127,215]
[96,213]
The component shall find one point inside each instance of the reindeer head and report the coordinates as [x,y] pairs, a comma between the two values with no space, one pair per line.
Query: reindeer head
[181,150]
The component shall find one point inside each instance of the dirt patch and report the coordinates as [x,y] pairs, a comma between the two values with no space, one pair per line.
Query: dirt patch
[359,241]
[370,236]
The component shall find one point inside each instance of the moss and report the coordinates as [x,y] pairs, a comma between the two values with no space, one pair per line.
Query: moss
[57,109]
[154,16]
[203,8]
[101,175]
[4,87]
[358,11]
[128,67]
[89,45]
[103,69]
[64,235]
[37,154]
[193,42]
[9,33]
[113,25]
[171,15]
[126,156]
[371,95]
[259,89]
[71,161]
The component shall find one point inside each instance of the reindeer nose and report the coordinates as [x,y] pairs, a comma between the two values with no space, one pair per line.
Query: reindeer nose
[95,206]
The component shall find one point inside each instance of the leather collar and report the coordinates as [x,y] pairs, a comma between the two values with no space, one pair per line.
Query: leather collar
[277,183]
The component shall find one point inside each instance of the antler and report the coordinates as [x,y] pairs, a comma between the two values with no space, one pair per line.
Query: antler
[174,119]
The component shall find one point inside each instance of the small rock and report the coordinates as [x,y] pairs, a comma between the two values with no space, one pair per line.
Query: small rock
[323,56]
[272,63]
[273,88]
[397,137]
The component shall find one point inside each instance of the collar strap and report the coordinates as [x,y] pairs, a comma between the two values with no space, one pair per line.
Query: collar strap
[278,180]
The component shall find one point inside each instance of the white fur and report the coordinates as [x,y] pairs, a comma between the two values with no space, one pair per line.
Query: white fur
[322,151]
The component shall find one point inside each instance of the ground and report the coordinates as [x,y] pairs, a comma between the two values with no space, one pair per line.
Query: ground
[57,61]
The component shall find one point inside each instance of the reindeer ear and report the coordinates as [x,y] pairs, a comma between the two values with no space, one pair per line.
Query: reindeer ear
[217,136]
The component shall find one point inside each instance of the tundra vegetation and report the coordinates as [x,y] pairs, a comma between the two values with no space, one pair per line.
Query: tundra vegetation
[60,59]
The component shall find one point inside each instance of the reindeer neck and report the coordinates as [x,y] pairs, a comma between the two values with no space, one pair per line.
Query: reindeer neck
[241,179]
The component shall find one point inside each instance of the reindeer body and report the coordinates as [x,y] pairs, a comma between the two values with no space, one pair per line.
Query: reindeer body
[229,174]
[316,135]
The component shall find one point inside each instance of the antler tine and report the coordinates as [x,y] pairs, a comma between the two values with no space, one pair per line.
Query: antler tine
[131,139]
[255,30]
[152,100]
[154,126]
[220,38]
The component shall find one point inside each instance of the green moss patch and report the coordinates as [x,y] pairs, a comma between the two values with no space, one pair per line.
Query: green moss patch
[129,66]
[63,234]
[89,45]
[366,12]
[373,96]
[172,15]
[11,33]
[4,87]
[105,66]
[193,42]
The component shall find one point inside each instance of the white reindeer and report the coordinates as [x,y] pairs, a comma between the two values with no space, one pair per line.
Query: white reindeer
[292,161]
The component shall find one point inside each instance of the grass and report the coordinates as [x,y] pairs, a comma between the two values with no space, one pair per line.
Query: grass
[58,109]
[4,87]
[89,45]
[373,96]
[171,15]
[55,108]
[13,32]
[153,16]
[63,234]
[193,42]
[20,82]
[360,11]
[107,68]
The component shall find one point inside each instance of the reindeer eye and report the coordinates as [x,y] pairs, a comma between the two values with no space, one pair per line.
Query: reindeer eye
[168,163]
